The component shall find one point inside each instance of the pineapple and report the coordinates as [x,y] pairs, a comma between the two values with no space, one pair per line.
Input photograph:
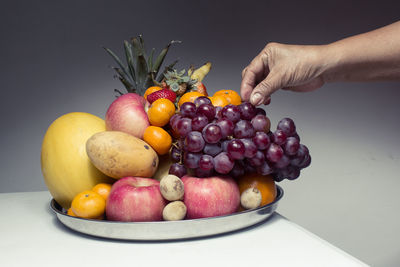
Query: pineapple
[140,71]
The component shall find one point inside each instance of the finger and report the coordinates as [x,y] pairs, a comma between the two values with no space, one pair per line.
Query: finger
[251,75]
[247,85]
[265,88]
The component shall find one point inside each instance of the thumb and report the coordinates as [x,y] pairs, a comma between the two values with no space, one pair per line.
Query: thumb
[265,88]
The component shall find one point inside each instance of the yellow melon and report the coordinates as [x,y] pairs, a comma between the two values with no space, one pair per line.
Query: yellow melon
[66,167]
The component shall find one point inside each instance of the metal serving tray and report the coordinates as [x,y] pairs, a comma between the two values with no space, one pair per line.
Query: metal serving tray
[167,230]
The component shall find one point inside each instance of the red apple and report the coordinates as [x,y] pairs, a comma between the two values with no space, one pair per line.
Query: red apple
[135,199]
[211,196]
[127,114]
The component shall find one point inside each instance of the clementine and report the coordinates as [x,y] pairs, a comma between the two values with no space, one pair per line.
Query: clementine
[102,189]
[89,205]
[264,183]
[160,112]
[232,96]
[219,100]
[189,97]
[158,139]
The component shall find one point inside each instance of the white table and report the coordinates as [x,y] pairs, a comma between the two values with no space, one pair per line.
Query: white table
[31,235]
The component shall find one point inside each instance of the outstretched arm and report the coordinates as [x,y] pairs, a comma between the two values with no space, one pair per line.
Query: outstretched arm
[370,56]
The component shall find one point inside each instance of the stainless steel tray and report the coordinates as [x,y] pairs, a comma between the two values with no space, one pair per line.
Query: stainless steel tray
[167,230]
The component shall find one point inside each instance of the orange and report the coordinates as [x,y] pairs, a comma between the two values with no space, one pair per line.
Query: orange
[158,139]
[232,96]
[102,189]
[160,112]
[150,90]
[219,101]
[264,183]
[189,97]
[71,213]
[88,205]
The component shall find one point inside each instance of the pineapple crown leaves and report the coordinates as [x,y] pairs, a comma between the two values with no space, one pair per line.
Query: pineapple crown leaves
[140,70]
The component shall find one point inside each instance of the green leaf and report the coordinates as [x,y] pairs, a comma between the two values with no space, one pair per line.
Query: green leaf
[161,57]
[167,69]
[141,74]
[141,42]
[129,58]
[150,59]
[116,58]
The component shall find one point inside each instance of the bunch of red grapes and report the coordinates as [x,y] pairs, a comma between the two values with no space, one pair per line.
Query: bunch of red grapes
[234,140]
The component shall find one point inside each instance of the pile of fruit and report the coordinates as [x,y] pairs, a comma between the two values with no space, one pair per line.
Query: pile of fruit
[167,150]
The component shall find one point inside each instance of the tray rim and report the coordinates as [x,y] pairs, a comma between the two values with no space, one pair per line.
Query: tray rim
[249,217]
[279,196]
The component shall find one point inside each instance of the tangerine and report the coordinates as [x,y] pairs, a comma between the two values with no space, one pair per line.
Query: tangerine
[189,97]
[219,100]
[102,189]
[71,213]
[158,139]
[89,205]
[160,112]
[151,90]
[232,96]
[264,183]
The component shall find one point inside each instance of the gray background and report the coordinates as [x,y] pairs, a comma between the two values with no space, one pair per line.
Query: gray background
[52,63]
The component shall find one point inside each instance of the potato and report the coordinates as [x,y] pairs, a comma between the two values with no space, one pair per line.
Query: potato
[118,154]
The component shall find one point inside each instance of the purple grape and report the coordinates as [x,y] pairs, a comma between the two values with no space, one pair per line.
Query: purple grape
[306,162]
[297,137]
[199,122]
[260,111]
[204,173]
[207,110]
[293,173]
[202,100]
[177,169]
[212,149]
[191,160]
[224,145]
[206,162]
[283,162]
[194,142]
[261,140]
[238,169]
[248,168]
[231,112]
[274,153]
[287,126]
[174,119]
[188,109]
[298,159]
[291,146]
[258,159]
[226,126]
[183,126]
[223,164]
[175,154]
[236,149]
[261,123]
[247,111]
[212,133]
[250,147]
[279,137]
[218,112]
[243,129]
[264,169]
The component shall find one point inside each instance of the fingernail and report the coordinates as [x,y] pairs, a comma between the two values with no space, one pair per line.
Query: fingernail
[256,99]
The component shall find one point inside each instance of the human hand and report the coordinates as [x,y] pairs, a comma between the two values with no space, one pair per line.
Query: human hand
[291,67]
